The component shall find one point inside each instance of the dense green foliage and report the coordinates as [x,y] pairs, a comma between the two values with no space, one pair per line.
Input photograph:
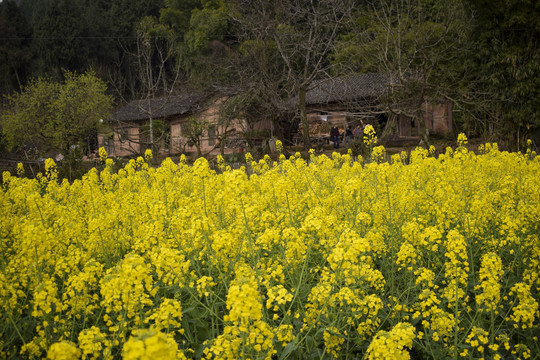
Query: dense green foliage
[14,46]
[482,56]
[418,44]
[52,116]
[50,36]
[507,64]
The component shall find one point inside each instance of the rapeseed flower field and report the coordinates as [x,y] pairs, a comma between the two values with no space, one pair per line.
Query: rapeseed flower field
[420,256]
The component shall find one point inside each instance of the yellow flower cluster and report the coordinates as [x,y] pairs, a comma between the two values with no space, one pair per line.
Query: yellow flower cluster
[284,333]
[45,299]
[526,310]
[247,332]
[370,137]
[203,285]
[491,273]
[478,339]
[392,344]
[63,350]
[378,153]
[423,256]
[407,256]
[462,139]
[333,341]
[279,146]
[277,296]
[149,344]
[456,268]
[126,290]
[102,154]
[94,344]
[168,317]
[81,295]
[170,266]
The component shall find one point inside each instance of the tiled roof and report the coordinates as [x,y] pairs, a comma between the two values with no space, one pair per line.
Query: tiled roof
[160,107]
[353,87]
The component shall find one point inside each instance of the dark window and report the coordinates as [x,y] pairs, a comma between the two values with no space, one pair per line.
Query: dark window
[211,136]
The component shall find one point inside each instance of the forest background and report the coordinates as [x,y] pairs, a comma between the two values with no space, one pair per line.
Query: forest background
[480,55]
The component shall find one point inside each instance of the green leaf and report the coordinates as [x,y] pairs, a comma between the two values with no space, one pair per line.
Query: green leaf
[289,348]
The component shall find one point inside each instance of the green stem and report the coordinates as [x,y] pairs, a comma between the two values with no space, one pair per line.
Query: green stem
[16,328]
[289,207]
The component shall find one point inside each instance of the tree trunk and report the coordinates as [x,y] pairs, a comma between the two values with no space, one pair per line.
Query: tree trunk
[222,147]
[303,116]
[151,118]
[17,76]
[391,128]
[422,128]
[198,146]
[423,132]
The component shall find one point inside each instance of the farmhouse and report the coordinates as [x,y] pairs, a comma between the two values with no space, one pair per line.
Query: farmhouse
[130,124]
[437,116]
[356,99]
[186,123]
[194,122]
[342,101]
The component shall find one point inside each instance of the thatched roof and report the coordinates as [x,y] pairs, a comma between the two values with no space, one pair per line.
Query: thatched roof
[137,110]
[353,87]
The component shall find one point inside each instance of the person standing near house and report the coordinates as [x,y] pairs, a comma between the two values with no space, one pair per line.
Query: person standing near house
[361,128]
[334,134]
[356,132]
[348,135]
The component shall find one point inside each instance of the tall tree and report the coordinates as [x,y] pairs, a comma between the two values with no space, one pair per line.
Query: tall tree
[100,39]
[303,34]
[204,32]
[49,115]
[194,129]
[416,44]
[124,17]
[177,15]
[507,58]
[158,67]
[14,47]
[60,39]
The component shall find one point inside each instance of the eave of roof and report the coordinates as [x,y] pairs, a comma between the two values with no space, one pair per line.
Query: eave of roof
[138,110]
[347,88]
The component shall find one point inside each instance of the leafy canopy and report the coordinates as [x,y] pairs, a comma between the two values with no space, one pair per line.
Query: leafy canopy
[49,115]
